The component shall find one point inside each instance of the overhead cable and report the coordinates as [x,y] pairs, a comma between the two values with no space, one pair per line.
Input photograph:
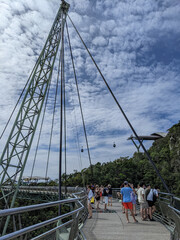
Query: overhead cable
[79,98]
[130,125]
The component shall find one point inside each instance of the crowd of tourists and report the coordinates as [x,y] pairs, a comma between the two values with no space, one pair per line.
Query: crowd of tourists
[146,197]
[129,197]
[98,194]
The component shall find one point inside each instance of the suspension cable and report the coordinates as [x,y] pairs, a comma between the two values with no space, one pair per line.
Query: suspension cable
[65,152]
[79,98]
[52,124]
[140,142]
[77,136]
[40,132]
[61,109]
[78,144]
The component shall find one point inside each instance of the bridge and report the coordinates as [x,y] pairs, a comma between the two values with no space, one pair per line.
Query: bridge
[110,224]
[67,206]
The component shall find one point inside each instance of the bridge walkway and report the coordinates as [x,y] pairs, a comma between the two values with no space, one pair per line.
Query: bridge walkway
[112,225]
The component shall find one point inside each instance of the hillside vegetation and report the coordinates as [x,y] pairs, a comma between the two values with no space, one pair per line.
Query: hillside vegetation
[165,153]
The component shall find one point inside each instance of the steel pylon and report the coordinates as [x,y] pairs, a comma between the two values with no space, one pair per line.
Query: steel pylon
[16,150]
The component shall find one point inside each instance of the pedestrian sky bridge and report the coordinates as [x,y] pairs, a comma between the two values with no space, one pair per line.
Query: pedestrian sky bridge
[110,224]
[33,105]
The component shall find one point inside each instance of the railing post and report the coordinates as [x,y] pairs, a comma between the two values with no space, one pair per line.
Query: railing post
[74,228]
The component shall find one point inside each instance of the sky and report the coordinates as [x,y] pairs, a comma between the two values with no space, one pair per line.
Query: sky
[135,43]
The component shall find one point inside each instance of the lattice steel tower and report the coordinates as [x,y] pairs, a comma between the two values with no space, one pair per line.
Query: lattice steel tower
[16,150]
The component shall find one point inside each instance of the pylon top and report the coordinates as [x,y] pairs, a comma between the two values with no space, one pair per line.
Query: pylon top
[65,6]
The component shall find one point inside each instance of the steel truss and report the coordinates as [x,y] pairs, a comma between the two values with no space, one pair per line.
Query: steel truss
[16,150]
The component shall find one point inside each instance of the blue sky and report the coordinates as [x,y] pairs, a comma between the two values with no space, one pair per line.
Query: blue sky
[135,43]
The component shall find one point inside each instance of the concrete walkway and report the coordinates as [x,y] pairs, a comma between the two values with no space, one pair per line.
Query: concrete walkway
[112,225]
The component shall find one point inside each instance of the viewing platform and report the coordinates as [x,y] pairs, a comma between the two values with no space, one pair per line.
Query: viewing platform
[112,225]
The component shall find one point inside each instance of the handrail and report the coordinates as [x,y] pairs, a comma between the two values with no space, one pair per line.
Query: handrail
[44,223]
[18,210]
[52,230]
[38,225]
[175,209]
[164,193]
[176,198]
[45,188]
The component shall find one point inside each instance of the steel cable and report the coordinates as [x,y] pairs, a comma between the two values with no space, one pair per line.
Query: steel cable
[40,132]
[52,124]
[130,125]
[79,98]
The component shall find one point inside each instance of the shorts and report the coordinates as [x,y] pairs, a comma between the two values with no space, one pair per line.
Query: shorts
[146,204]
[98,198]
[150,203]
[128,205]
[143,205]
[110,195]
[106,199]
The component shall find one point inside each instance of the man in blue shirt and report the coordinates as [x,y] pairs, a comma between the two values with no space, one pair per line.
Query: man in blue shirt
[126,199]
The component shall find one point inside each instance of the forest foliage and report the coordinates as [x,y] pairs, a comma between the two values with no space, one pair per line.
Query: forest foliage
[165,153]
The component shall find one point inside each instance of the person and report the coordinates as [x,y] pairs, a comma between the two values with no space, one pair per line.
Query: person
[146,206]
[126,198]
[123,209]
[118,195]
[133,199]
[97,196]
[109,195]
[101,193]
[92,187]
[151,198]
[155,196]
[105,194]
[89,196]
[141,200]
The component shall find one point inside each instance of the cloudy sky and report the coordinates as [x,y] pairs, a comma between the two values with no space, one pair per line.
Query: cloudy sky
[135,43]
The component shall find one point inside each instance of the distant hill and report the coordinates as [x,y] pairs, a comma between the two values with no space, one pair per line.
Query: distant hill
[165,153]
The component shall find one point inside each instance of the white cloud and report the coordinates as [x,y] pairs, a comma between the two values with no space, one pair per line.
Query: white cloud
[136,46]
[100,41]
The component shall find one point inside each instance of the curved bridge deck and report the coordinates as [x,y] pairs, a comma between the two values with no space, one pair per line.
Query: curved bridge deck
[112,225]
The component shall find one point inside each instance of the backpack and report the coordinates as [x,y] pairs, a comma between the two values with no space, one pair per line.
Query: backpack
[146,193]
[154,197]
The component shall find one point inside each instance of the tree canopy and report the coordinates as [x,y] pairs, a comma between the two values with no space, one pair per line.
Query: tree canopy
[165,153]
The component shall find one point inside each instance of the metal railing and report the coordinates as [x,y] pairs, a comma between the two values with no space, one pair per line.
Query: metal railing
[43,193]
[68,225]
[45,189]
[169,212]
[78,214]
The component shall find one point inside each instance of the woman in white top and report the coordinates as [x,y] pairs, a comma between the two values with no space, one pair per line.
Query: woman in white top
[90,195]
